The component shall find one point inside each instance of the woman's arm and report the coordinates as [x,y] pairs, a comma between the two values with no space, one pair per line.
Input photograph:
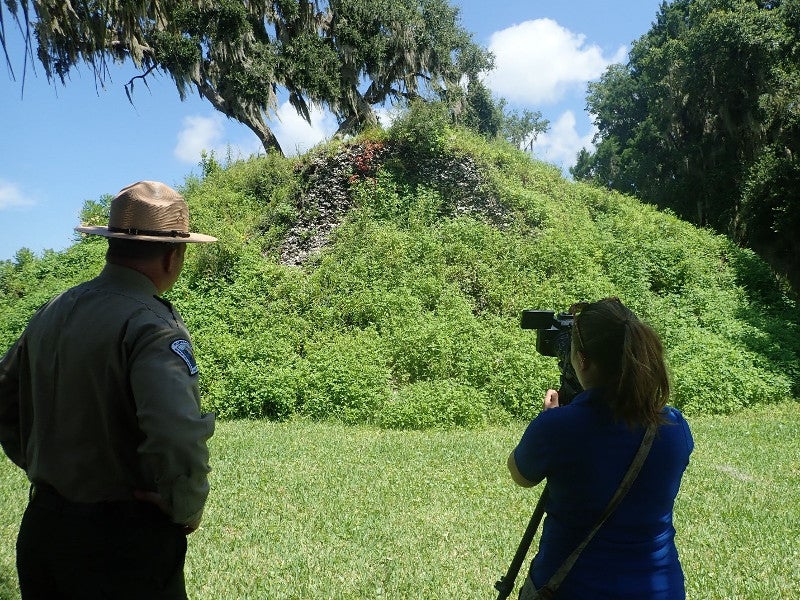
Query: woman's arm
[518,478]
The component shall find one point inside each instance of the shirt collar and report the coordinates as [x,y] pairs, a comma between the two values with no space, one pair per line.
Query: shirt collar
[130,278]
[587,396]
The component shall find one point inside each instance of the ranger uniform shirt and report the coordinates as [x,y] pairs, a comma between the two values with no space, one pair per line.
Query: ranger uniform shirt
[99,397]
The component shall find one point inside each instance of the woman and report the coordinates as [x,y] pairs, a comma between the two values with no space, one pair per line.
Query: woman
[584,449]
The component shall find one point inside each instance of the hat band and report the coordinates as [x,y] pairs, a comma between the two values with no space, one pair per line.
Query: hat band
[133,231]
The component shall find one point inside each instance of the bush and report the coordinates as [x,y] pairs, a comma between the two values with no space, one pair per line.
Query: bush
[408,316]
[255,390]
[440,403]
[347,378]
[711,375]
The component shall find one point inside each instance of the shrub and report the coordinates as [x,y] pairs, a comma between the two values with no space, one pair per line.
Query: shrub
[712,376]
[406,312]
[254,390]
[347,378]
[440,403]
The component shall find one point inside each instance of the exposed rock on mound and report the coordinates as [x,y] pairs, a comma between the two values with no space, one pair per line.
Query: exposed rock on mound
[329,178]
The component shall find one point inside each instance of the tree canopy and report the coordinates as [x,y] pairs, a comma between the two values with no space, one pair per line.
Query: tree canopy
[704,119]
[345,55]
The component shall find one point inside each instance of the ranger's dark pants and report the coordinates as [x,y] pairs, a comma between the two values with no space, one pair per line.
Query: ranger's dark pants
[109,550]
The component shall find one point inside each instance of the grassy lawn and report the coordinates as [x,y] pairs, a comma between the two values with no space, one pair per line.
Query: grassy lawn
[303,510]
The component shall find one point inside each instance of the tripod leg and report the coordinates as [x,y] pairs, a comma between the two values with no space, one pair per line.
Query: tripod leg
[506,583]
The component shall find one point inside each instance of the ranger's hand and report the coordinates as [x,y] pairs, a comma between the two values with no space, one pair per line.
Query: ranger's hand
[153,498]
[156,499]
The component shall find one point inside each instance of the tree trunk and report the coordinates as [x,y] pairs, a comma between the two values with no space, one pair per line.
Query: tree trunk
[249,116]
[362,117]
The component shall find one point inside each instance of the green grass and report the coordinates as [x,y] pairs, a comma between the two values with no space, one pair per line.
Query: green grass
[304,510]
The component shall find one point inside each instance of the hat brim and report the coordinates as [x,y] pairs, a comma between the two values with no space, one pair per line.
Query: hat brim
[192,238]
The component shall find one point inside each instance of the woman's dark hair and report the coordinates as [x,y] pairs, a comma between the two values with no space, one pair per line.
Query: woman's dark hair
[629,356]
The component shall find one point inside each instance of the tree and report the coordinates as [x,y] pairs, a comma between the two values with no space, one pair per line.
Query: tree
[704,119]
[345,55]
[480,112]
[403,50]
[523,128]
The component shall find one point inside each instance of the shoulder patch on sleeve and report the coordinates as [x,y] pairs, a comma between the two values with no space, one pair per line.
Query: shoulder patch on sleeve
[184,349]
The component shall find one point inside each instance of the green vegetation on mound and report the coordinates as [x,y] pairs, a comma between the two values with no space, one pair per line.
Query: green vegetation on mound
[380,280]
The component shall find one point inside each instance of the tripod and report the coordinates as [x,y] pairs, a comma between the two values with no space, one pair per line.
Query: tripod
[506,583]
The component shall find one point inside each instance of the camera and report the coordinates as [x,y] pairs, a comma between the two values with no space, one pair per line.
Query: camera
[554,338]
[553,332]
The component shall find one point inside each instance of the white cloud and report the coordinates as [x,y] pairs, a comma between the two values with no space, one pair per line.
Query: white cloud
[208,134]
[213,134]
[13,197]
[562,142]
[387,114]
[538,62]
[296,135]
[198,134]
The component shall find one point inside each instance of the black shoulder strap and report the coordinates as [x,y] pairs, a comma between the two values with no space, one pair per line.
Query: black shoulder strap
[638,460]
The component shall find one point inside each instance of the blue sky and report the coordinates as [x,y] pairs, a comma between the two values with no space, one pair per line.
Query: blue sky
[61,145]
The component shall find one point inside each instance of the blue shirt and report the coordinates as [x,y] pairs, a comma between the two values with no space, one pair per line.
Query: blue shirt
[584,454]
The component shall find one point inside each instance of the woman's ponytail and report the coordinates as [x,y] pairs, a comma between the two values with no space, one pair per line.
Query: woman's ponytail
[630,360]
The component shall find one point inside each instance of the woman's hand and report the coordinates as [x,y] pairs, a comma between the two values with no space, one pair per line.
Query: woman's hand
[551,400]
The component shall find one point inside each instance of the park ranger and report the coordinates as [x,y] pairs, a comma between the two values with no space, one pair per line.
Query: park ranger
[99,405]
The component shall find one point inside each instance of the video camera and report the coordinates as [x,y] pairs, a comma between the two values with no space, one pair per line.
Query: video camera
[554,338]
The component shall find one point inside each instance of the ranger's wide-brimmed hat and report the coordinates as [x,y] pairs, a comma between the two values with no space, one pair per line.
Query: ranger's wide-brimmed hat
[148,211]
